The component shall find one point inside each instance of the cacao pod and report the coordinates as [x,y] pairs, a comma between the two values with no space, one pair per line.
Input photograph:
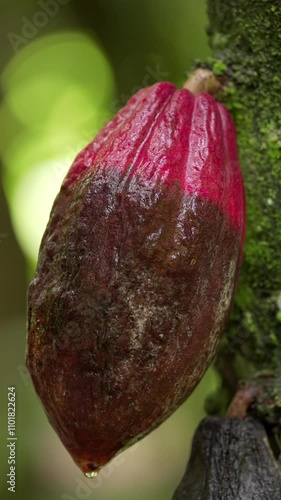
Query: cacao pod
[231,459]
[136,272]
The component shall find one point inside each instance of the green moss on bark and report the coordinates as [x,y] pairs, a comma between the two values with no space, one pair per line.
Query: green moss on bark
[246,39]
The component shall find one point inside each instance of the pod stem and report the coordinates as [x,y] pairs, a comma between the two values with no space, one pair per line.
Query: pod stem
[202,80]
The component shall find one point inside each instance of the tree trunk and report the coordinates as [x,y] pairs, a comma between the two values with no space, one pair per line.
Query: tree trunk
[245,36]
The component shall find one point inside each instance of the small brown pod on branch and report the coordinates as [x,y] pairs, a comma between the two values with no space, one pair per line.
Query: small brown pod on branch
[231,459]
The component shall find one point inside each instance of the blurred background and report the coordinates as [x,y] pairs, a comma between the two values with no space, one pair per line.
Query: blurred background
[67,66]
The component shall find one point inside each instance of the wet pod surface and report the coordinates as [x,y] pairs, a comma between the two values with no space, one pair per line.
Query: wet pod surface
[136,275]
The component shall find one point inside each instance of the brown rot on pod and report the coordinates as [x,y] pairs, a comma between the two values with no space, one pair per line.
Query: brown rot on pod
[137,270]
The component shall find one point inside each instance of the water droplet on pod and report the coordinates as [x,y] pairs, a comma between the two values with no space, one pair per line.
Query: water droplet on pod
[91,474]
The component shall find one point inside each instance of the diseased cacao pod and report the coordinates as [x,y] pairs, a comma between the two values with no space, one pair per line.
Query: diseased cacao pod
[136,272]
[231,459]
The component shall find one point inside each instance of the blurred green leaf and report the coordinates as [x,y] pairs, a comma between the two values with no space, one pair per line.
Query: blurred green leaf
[59,89]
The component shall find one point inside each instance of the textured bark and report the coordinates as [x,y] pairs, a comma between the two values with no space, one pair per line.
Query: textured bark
[230,460]
[245,38]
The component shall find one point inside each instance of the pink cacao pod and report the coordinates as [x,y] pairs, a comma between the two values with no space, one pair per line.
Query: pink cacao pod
[137,270]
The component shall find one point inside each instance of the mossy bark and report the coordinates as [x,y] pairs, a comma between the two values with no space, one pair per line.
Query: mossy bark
[245,36]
